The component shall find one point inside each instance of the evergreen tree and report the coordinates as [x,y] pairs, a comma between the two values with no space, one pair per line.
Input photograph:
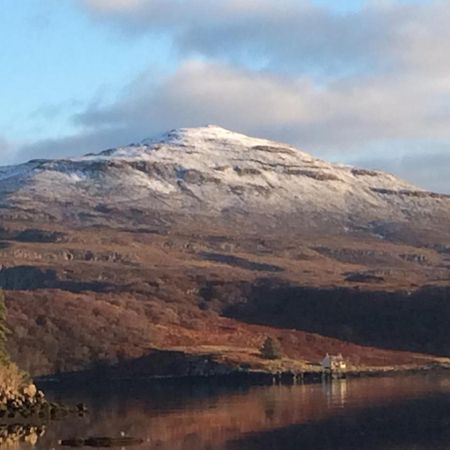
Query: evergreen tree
[3,330]
[271,349]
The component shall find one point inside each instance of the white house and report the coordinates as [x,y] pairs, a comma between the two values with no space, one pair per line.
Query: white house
[333,363]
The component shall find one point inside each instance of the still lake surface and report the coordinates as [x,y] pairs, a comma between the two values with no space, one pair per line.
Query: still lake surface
[411,412]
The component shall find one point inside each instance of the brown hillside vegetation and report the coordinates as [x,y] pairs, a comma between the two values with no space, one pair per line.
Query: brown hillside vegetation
[81,297]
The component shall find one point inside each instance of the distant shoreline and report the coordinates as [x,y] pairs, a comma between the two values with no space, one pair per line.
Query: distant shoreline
[237,378]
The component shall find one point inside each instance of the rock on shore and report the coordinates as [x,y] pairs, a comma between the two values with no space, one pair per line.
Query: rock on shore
[13,434]
[30,404]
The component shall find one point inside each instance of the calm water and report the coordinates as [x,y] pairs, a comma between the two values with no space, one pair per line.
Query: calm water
[390,413]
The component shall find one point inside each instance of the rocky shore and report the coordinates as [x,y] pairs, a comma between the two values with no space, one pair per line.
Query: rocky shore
[18,433]
[28,404]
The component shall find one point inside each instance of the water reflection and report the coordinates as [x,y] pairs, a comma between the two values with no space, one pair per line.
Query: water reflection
[336,392]
[13,435]
[417,424]
[390,413]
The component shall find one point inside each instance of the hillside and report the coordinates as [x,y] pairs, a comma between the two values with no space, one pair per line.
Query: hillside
[206,241]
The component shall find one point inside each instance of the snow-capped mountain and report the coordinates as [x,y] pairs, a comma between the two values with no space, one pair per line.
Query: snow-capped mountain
[211,171]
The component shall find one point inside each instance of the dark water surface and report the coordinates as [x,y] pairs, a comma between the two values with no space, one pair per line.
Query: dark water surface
[410,412]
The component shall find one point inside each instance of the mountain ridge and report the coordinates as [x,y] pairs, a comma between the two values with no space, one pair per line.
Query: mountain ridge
[210,171]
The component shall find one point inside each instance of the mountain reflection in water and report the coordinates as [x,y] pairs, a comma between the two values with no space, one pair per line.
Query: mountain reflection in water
[387,413]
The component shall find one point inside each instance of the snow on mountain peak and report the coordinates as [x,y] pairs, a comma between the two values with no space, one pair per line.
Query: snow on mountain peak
[209,170]
[203,134]
[198,145]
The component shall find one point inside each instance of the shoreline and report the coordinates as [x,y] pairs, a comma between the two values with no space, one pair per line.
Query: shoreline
[233,379]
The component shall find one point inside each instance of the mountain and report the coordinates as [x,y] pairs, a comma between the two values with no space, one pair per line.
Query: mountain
[224,176]
[205,241]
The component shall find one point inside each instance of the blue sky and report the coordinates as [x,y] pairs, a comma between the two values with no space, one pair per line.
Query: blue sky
[55,57]
[362,82]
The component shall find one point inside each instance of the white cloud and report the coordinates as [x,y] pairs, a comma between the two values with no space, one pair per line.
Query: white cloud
[345,120]
[294,34]
[345,113]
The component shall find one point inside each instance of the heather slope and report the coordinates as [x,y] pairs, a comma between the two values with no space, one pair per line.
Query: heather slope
[204,240]
[99,296]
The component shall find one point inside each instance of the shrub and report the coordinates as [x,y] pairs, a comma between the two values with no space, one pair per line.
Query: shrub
[271,349]
[12,379]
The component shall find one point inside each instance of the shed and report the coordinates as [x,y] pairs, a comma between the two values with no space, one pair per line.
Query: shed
[334,363]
